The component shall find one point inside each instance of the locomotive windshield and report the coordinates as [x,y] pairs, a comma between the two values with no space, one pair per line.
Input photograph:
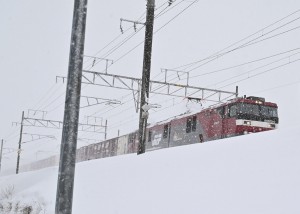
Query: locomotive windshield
[244,108]
[269,111]
[252,111]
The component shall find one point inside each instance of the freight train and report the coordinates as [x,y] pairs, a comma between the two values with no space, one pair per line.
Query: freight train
[239,116]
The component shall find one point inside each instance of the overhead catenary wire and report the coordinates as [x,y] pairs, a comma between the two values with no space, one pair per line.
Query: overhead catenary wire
[243,64]
[219,54]
[255,69]
[260,73]
[44,96]
[160,87]
[249,43]
[276,87]
[242,46]
[235,43]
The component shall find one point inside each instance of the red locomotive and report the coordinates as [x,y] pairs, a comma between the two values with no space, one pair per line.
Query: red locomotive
[236,117]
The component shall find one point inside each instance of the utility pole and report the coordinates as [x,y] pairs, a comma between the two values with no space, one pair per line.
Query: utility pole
[1,153]
[20,142]
[146,75]
[65,183]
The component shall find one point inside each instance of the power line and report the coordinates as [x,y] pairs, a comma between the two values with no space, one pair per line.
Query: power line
[245,38]
[260,73]
[276,87]
[244,63]
[242,46]
[218,54]
[45,95]
[249,43]
[255,69]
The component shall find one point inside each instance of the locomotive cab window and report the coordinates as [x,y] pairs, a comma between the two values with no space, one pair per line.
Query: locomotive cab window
[269,111]
[232,111]
[245,108]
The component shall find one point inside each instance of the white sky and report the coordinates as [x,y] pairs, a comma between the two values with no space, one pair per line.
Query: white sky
[34,48]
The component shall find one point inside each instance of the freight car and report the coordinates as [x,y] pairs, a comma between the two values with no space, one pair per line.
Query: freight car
[238,116]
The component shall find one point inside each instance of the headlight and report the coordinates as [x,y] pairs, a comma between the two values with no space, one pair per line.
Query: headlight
[248,123]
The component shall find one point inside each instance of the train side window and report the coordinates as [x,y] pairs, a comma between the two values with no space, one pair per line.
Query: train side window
[188,125]
[194,123]
[149,136]
[232,111]
[166,130]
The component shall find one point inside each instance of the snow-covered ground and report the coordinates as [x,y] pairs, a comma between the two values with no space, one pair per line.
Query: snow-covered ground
[253,174]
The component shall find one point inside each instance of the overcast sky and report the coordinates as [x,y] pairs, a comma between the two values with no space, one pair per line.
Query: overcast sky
[35,42]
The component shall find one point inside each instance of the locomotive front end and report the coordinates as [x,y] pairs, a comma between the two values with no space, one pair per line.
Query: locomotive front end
[253,114]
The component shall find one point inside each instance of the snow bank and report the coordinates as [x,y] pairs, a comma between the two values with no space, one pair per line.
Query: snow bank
[257,173]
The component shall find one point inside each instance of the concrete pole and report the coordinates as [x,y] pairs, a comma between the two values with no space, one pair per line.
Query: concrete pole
[146,74]
[65,183]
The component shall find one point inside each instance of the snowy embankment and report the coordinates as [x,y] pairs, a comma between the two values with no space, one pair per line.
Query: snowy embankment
[257,173]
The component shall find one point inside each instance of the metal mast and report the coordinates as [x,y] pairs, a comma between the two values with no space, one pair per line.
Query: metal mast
[146,74]
[65,184]
[20,142]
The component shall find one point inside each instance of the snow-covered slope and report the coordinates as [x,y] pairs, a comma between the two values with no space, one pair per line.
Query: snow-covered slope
[257,173]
